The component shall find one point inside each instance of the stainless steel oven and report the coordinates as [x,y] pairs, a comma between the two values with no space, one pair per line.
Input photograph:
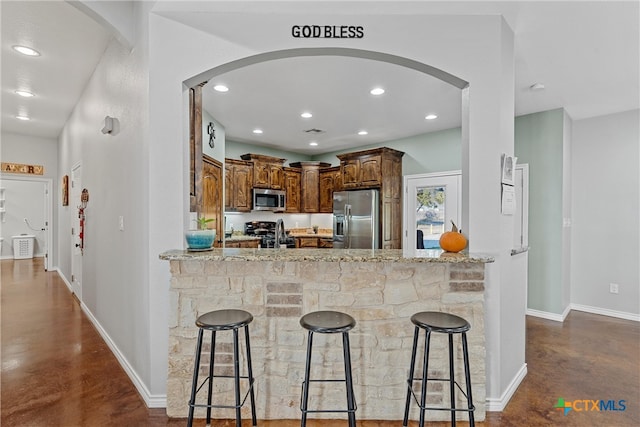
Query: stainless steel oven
[269,200]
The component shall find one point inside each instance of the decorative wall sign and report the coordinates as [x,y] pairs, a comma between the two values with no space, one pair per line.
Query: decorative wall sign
[65,190]
[20,168]
[327,31]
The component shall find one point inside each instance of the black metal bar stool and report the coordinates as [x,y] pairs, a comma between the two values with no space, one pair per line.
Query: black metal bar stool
[329,322]
[214,321]
[433,321]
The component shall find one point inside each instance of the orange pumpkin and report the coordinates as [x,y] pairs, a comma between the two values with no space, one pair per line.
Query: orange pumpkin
[453,241]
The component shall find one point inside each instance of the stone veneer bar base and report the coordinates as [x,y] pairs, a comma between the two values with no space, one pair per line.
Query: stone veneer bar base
[381,296]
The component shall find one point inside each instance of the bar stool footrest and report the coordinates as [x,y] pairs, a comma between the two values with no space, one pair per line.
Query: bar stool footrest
[244,399]
[415,397]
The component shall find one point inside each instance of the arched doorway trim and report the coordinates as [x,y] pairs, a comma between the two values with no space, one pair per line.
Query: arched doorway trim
[327,51]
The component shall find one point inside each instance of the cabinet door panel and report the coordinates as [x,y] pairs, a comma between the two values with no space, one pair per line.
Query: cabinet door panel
[370,170]
[326,192]
[242,190]
[292,187]
[261,174]
[310,189]
[350,173]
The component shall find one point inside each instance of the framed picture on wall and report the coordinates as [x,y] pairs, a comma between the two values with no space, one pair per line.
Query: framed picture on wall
[65,190]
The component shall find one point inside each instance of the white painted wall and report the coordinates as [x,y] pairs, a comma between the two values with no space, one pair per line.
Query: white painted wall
[115,171]
[477,49]
[32,150]
[605,205]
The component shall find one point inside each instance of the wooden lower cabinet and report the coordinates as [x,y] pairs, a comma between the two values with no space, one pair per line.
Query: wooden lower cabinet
[243,244]
[306,242]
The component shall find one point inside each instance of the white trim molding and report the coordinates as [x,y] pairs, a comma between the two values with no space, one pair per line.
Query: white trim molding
[549,316]
[498,405]
[64,279]
[606,312]
[151,400]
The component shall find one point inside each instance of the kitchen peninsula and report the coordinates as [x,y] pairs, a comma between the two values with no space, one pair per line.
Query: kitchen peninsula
[381,289]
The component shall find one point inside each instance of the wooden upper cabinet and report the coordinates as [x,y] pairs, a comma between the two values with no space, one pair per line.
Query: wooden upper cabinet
[330,181]
[212,195]
[361,171]
[379,168]
[364,169]
[310,185]
[267,171]
[292,180]
[238,179]
[350,173]
[371,170]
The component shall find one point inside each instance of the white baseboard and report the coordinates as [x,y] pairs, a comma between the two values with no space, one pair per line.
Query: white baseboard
[606,312]
[151,400]
[549,316]
[498,405]
[64,279]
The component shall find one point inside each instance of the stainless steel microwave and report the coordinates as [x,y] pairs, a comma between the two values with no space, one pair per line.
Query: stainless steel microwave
[269,200]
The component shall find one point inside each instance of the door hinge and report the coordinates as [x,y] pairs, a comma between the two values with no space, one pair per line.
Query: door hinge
[72,231]
[73,278]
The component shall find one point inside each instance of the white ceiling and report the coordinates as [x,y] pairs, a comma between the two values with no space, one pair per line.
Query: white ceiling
[586,53]
[70,44]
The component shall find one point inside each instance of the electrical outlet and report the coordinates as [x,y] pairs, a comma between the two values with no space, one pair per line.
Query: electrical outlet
[121,223]
[613,288]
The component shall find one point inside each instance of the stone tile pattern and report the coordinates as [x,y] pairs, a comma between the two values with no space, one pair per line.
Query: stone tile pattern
[380,296]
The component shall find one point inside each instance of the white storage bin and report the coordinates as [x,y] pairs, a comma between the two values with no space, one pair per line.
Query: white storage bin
[23,246]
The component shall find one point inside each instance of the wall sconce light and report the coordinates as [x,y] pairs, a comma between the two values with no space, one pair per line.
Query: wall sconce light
[111,126]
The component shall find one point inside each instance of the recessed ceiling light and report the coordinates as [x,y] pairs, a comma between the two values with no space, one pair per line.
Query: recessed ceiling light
[257,131]
[363,132]
[221,88]
[26,50]
[23,118]
[306,115]
[313,144]
[377,91]
[431,116]
[25,93]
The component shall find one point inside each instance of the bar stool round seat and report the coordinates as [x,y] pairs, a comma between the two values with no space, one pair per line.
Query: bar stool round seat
[222,320]
[328,322]
[450,324]
[216,321]
[440,322]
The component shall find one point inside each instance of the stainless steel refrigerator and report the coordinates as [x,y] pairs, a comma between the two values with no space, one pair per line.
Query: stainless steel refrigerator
[356,221]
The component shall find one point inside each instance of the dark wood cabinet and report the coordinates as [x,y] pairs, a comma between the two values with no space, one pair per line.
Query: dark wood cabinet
[267,171]
[252,244]
[310,185]
[306,242]
[212,194]
[238,185]
[361,171]
[378,168]
[292,180]
[330,181]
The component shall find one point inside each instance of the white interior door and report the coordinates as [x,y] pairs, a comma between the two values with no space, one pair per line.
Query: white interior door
[431,202]
[76,247]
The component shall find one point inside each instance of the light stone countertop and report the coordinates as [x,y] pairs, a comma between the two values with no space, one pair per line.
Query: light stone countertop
[325,255]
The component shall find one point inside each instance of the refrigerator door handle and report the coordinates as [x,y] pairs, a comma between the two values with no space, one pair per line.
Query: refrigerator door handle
[347,221]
